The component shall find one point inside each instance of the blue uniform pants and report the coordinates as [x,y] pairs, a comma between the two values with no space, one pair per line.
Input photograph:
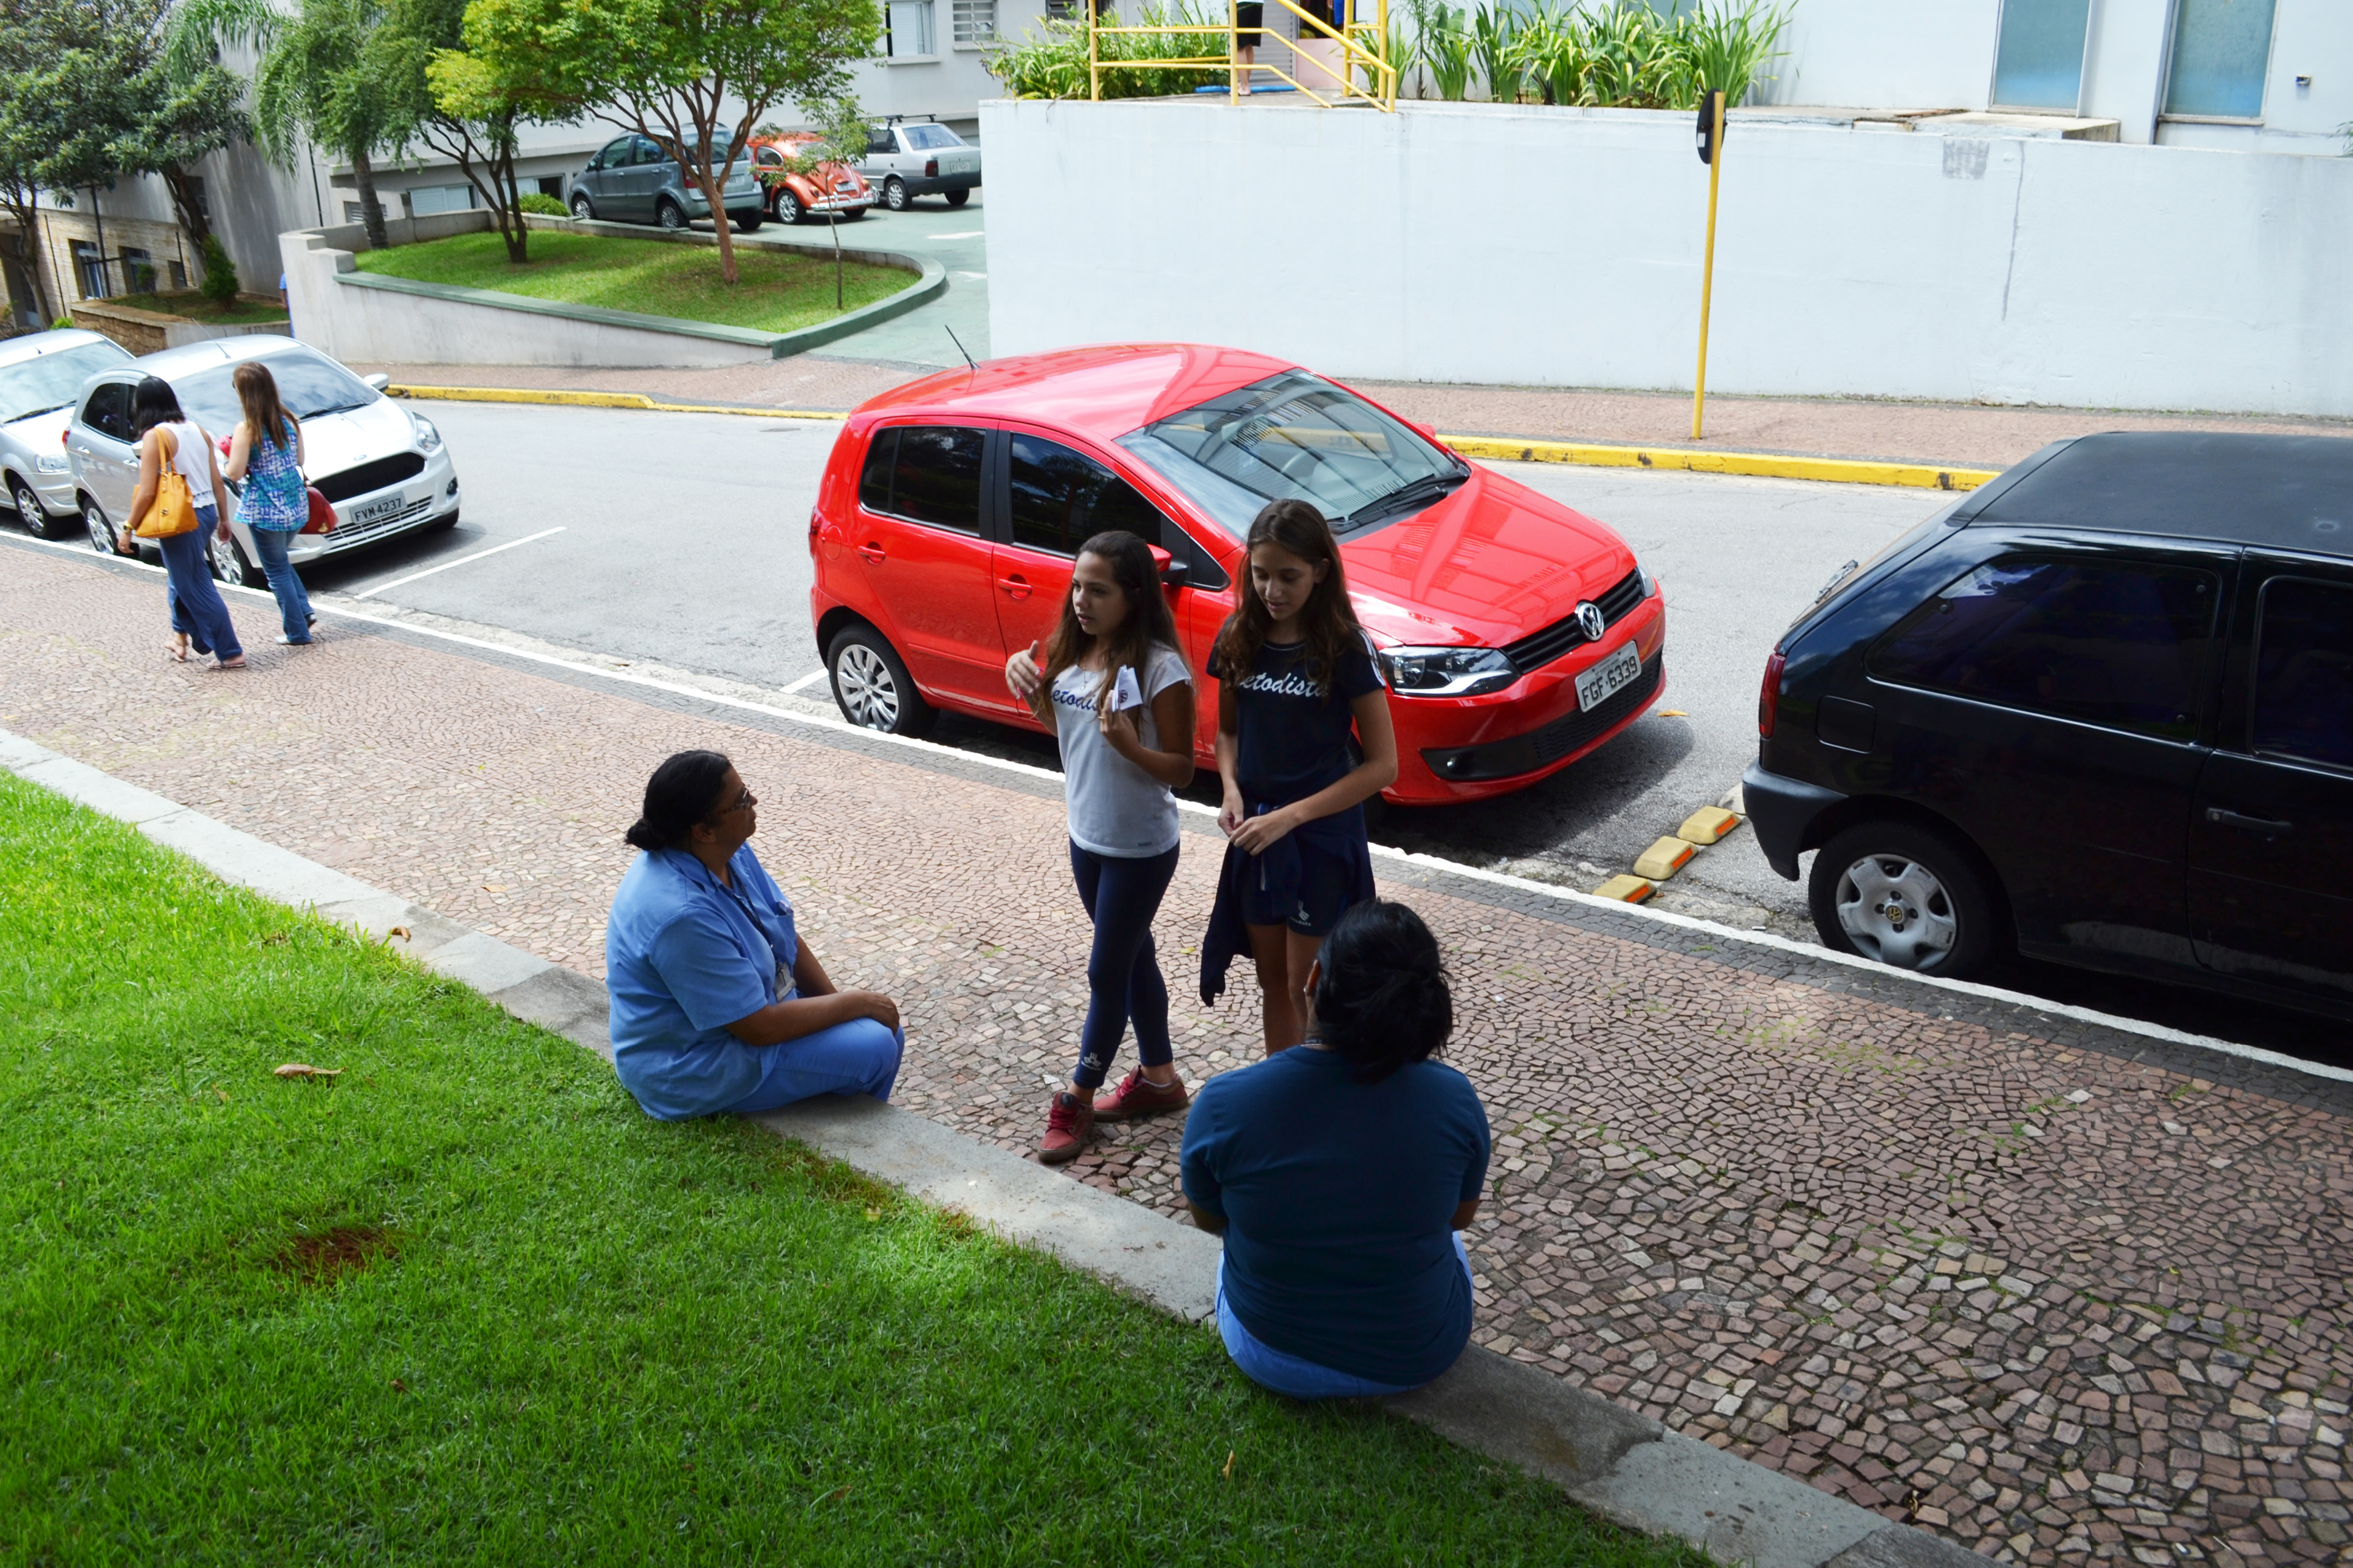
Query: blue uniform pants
[860,1057]
[195,603]
[1124,980]
[1292,1376]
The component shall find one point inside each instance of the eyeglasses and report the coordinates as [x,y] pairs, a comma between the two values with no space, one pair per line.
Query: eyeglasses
[742,802]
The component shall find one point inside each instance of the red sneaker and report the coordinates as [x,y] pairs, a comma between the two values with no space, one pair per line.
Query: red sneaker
[1069,1120]
[1139,1096]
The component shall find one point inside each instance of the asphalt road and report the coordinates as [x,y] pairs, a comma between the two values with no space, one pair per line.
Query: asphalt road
[680,543]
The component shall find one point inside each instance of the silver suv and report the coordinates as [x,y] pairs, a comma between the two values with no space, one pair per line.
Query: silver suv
[632,180]
[39,374]
[920,160]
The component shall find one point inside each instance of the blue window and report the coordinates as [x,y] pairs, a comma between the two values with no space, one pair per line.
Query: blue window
[2040,61]
[2221,52]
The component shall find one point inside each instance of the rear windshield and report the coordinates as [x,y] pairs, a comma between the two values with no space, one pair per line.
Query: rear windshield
[308,384]
[1295,435]
[930,138]
[48,381]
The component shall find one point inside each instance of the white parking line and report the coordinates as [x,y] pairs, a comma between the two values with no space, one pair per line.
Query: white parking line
[962,234]
[804,682]
[462,560]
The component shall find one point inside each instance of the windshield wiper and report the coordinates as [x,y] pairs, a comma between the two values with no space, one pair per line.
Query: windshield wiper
[338,408]
[1418,493]
[35,413]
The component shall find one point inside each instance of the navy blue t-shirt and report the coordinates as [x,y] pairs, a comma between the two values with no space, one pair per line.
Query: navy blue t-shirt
[1297,735]
[1338,1197]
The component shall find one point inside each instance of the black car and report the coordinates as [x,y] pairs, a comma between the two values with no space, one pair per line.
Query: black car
[2100,708]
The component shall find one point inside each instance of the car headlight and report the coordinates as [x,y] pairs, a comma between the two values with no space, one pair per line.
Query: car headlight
[428,439]
[1642,574]
[1447,671]
[53,463]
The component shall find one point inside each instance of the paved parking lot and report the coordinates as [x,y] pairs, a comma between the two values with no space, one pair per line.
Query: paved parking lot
[2063,1294]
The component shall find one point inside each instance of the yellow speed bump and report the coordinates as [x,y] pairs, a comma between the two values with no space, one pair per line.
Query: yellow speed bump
[1706,825]
[1663,860]
[1626,889]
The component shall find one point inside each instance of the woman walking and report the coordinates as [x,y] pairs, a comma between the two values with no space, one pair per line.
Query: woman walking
[266,452]
[1339,1173]
[1303,741]
[171,442]
[1118,693]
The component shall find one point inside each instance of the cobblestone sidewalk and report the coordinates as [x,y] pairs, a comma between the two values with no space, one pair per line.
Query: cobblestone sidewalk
[2024,1281]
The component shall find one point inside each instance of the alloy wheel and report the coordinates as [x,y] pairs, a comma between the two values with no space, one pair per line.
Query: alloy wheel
[1895,909]
[30,510]
[895,195]
[583,209]
[222,552]
[869,695]
[101,532]
[669,215]
[788,207]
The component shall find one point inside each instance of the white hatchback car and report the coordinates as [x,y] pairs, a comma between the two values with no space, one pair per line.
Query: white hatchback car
[905,161]
[384,468]
[39,374]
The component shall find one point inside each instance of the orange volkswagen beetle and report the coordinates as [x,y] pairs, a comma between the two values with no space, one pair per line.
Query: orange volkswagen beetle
[792,195]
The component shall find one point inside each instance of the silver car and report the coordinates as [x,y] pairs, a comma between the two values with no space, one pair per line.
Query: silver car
[632,180]
[384,468]
[39,374]
[905,161]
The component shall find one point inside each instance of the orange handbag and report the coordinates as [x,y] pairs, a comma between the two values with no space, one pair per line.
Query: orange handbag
[175,511]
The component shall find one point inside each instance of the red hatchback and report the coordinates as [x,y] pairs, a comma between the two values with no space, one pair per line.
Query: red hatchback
[1515,635]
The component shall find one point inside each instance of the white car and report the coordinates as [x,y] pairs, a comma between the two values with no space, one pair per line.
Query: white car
[39,374]
[905,161]
[384,468]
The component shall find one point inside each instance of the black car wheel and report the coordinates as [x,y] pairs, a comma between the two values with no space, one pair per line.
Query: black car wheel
[957,199]
[788,207]
[583,208]
[1905,896]
[669,215]
[894,193]
[30,510]
[745,222]
[871,687]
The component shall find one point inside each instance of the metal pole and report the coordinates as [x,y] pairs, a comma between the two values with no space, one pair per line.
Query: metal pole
[1708,267]
[1094,69]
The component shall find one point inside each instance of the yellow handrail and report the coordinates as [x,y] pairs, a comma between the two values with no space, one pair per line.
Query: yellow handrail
[1355,54]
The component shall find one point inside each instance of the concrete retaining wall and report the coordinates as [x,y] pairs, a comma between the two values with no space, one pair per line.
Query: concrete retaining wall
[151,331]
[364,316]
[1549,246]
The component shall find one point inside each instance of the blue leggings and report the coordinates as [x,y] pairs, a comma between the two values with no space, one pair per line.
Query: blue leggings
[1295,1377]
[1123,981]
[860,1057]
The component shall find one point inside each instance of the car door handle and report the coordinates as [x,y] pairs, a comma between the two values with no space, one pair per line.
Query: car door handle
[1016,587]
[872,552]
[2220,818]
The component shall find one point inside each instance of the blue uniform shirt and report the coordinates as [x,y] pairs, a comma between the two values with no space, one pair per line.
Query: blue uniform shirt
[685,957]
[1338,1196]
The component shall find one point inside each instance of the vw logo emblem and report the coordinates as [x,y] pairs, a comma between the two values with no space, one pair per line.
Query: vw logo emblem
[1589,616]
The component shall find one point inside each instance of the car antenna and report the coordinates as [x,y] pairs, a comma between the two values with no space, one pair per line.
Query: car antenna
[959,343]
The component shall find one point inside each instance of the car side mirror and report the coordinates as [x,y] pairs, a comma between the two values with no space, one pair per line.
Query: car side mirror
[379,381]
[1173,573]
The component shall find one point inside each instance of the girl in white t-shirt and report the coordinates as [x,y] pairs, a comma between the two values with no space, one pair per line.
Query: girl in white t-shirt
[1117,691]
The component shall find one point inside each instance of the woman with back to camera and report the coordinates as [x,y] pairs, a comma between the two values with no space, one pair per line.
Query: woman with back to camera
[1297,693]
[1120,702]
[266,452]
[699,936]
[172,443]
[1338,1174]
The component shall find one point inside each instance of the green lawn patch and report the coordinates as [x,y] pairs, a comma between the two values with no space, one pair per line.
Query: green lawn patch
[781,291]
[196,308]
[465,1302]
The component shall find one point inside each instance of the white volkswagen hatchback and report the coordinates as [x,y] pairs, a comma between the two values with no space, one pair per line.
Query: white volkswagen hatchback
[384,468]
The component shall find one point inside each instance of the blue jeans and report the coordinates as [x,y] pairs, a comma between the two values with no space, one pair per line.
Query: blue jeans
[1292,1376]
[285,582]
[860,1057]
[1124,980]
[188,591]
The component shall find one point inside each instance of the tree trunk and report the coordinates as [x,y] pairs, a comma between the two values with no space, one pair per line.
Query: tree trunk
[184,202]
[510,190]
[717,217]
[371,210]
[28,253]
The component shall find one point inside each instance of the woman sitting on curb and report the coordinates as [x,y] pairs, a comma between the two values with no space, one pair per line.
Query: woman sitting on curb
[699,936]
[1337,1173]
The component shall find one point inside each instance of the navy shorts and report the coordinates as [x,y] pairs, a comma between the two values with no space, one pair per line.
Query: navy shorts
[1305,890]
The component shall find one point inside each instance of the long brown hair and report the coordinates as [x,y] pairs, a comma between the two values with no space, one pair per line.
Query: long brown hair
[1148,620]
[265,416]
[1327,620]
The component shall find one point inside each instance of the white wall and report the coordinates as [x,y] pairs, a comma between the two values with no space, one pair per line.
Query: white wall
[1863,263]
[1886,53]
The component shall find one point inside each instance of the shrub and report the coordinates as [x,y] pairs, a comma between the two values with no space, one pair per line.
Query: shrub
[220,273]
[545,205]
[1054,65]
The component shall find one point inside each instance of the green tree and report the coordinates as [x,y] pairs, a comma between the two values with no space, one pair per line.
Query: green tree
[68,75]
[335,72]
[668,69]
[183,116]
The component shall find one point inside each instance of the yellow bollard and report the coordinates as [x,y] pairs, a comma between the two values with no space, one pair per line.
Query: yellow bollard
[1711,151]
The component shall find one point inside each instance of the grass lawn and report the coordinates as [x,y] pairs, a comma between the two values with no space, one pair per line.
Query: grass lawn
[781,290]
[466,1301]
[195,307]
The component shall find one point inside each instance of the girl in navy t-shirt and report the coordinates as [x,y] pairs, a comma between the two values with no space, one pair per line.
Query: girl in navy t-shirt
[1303,741]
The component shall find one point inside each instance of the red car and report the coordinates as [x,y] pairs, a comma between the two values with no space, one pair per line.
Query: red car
[1515,635]
[794,194]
